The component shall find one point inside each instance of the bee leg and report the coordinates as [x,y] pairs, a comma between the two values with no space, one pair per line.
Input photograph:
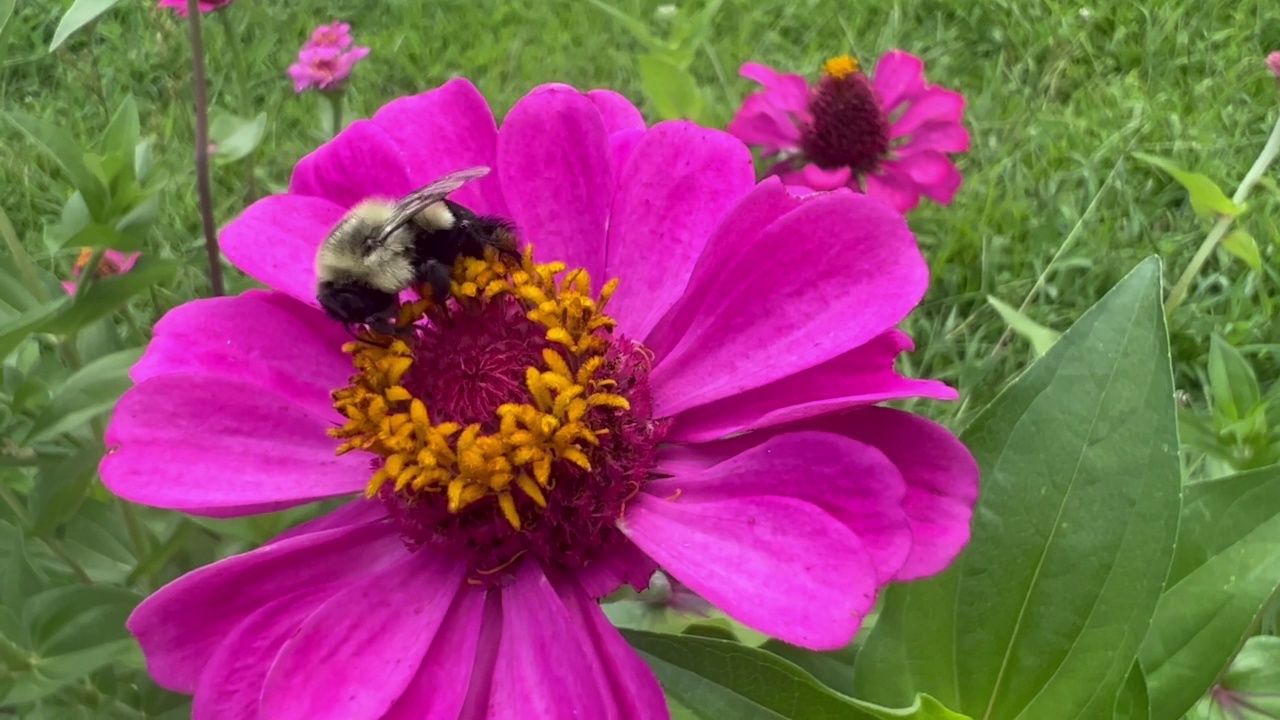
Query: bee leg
[437,276]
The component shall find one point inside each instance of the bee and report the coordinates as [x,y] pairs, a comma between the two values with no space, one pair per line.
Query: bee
[382,248]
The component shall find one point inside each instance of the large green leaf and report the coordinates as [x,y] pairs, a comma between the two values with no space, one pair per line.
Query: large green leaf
[107,295]
[717,679]
[68,154]
[1042,615]
[1226,567]
[673,90]
[81,13]
[89,392]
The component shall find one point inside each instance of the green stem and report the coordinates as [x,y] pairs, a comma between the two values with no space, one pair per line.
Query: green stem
[204,189]
[1219,229]
[335,107]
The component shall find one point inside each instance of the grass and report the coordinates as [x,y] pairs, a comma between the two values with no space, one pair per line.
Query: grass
[1058,99]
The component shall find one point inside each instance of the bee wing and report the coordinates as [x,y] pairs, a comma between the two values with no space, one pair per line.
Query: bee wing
[428,195]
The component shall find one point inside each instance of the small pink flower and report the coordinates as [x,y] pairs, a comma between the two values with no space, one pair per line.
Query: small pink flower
[324,67]
[113,262]
[1273,63]
[180,6]
[887,136]
[507,464]
[336,34]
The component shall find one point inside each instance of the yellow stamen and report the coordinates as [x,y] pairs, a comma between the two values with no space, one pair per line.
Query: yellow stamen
[841,67]
[468,465]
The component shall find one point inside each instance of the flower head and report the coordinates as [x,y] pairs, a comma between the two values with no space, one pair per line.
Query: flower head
[1273,63]
[324,67]
[180,6]
[680,371]
[886,135]
[335,34]
[111,263]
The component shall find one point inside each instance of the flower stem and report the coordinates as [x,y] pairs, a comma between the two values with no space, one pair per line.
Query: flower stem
[1219,229]
[202,148]
[335,107]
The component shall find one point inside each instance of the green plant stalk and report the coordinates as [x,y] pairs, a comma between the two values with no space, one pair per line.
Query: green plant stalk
[1219,229]
[12,657]
[56,547]
[242,79]
[203,185]
[335,109]
[23,260]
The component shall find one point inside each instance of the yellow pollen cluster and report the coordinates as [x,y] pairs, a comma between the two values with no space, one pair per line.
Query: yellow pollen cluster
[840,67]
[466,463]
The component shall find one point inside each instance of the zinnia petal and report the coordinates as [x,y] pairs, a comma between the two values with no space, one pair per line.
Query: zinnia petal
[189,442]
[358,511]
[439,689]
[616,110]
[445,130]
[787,90]
[935,135]
[274,241]
[760,122]
[380,626]
[692,176]
[361,162]
[556,132]
[260,344]
[182,624]
[932,172]
[837,245]
[898,77]
[862,376]
[931,104]
[896,189]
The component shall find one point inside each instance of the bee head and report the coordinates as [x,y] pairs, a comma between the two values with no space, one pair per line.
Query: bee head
[356,303]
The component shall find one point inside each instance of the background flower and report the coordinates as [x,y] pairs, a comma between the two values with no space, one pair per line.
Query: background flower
[1273,62]
[791,526]
[335,34]
[888,136]
[113,262]
[325,67]
[179,7]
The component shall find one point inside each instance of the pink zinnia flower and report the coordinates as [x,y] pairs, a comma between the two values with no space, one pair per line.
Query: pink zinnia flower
[180,6]
[1273,63]
[113,262]
[324,67]
[887,136]
[336,34]
[533,448]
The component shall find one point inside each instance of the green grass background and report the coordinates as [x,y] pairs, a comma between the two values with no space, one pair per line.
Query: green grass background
[1060,94]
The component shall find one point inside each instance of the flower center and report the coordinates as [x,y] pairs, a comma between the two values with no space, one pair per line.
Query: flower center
[849,127]
[515,421]
[106,266]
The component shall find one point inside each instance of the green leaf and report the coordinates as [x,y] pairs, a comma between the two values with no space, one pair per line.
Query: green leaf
[1232,384]
[96,235]
[1040,337]
[833,668]
[1133,702]
[107,295]
[60,487]
[636,27]
[674,92]
[236,137]
[1225,568]
[21,580]
[79,628]
[89,392]
[718,679]
[18,328]
[6,13]
[1207,198]
[1042,615]
[1250,689]
[67,153]
[1242,245]
[121,136]
[81,13]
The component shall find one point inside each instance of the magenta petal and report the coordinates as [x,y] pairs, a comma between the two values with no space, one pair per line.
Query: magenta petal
[788,90]
[361,162]
[935,174]
[443,130]
[819,179]
[624,565]
[274,241]
[622,144]
[741,227]
[544,668]
[898,76]
[760,122]
[439,689]
[358,511]
[862,273]
[186,442]
[258,343]
[556,132]
[782,566]
[231,685]
[181,625]
[616,110]
[931,104]
[379,627]
[936,135]
[942,482]
[862,376]
[632,685]
[853,481]
[695,175]
[896,189]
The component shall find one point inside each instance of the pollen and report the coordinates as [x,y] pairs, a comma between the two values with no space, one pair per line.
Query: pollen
[840,67]
[498,409]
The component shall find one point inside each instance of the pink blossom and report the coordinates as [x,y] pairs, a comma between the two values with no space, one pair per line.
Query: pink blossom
[324,68]
[113,262]
[1273,63]
[180,6]
[335,34]
[888,136]
[735,438]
